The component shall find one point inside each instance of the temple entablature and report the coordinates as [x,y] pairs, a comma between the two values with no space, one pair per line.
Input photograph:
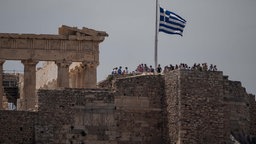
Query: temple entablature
[71,44]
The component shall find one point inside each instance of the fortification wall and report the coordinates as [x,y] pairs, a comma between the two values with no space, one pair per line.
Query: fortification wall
[237,107]
[252,104]
[76,116]
[129,115]
[140,116]
[195,107]
[185,107]
[17,127]
[172,99]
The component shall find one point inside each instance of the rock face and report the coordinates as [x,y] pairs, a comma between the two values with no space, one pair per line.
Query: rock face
[182,106]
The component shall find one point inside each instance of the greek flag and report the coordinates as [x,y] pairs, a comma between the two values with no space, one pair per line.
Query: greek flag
[171,23]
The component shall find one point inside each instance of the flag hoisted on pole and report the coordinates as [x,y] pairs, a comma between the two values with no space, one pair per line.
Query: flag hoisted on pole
[170,23]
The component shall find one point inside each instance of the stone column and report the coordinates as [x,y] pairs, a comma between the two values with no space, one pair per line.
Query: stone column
[79,81]
[1,84]
[81,75]
[72,79]
[89,75]
[29,89]
[63,73]
[76,77]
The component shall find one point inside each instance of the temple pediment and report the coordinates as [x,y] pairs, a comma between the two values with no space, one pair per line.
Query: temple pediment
[67,30]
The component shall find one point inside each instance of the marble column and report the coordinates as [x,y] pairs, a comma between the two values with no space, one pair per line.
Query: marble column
[81,75]
[1,84]
[72,79]
[29,89]
[76,77]
[79,80]
[89,75]
[63,73]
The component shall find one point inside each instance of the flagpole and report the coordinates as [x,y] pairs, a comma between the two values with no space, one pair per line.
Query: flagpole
[156,34]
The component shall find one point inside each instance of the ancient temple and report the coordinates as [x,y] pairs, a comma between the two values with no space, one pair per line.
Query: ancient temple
[70,45]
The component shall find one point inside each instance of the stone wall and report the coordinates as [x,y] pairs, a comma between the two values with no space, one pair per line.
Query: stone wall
[195,107]
[17,127]
[184,107]
[140,116]
[237,107]
[172,85]
[252,104]
[46,75]
[129,115]
[76,116]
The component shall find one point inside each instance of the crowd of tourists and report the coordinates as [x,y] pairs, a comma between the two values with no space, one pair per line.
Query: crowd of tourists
[145,69]
[199,67]
[119,71]
[141,69]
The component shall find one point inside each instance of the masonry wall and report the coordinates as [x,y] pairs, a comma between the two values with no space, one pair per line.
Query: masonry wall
[46,76]
[237,107]
[196,113]
[140,116]
[252,104]
[17,127]
[76,116]
[172,92]
[185,107]
[131,114]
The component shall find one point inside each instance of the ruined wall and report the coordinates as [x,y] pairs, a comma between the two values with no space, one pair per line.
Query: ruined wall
[240,110]
[237,107]
[46,76]
[17,127]
[76,116]
[252,104]
[129,115]
[195,107]
[185,107]
[139,110]
[198,106]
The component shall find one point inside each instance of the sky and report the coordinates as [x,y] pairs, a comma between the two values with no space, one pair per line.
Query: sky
[220,32]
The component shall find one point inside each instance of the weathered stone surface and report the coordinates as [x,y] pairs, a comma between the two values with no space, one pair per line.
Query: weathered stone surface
[252,107]
[139,111]
[1,85]
[206,107]
[237,109]
[185,107]
[72,44]
[70,115]
[17,127]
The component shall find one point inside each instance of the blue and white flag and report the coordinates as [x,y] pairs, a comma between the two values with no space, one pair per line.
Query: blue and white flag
[171,23]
